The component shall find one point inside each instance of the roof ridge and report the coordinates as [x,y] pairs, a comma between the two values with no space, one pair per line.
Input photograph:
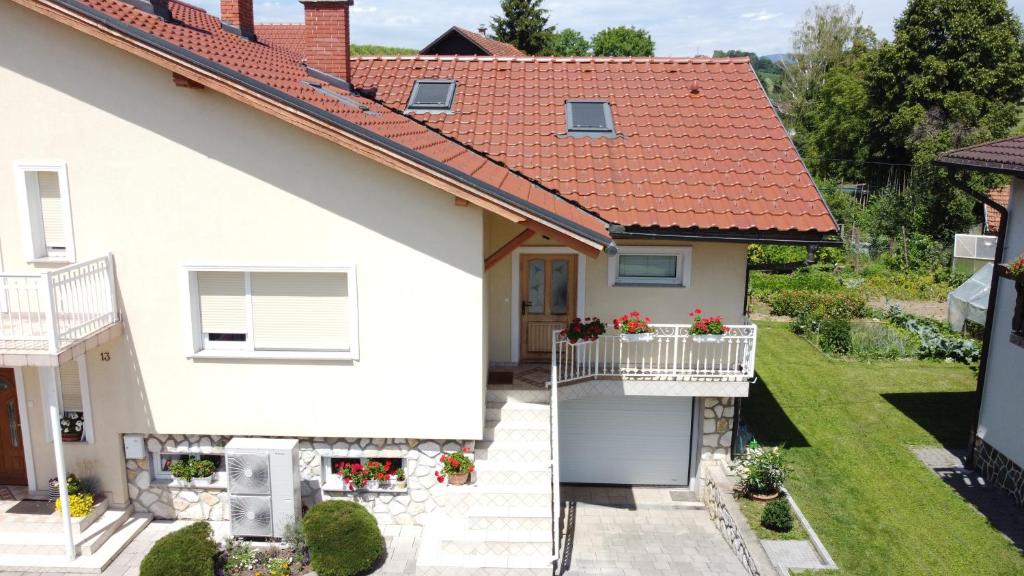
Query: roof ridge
[296,24]
[594,59]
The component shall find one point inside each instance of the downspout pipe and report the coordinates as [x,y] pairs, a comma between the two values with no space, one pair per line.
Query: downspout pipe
[961,185]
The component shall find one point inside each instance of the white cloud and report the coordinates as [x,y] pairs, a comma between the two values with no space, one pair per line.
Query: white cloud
[761,15]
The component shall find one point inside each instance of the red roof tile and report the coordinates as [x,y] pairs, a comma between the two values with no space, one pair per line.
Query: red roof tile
[993,220]
[195,31]
[1006,155]
[490,45]
[714,159]
[291,37]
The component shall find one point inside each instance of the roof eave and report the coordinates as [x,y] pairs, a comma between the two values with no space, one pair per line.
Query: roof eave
[589,240]
[948,161]
[788,237]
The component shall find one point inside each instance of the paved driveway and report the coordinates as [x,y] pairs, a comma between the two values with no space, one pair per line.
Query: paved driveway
[641,531]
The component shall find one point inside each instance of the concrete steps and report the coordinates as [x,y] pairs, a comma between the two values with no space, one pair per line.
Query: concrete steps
[94,555]
[52,542]
[500,524]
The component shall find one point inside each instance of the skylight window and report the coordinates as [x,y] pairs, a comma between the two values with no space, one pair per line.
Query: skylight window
[432,95]
[589,118]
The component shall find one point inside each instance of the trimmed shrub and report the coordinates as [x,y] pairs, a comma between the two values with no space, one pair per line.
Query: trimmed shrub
[186,552]
[343,538]
[777,517]
[834,335]
[842,303]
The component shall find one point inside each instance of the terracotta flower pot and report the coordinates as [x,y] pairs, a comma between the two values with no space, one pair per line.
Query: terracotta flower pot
[458,479]
[765,497]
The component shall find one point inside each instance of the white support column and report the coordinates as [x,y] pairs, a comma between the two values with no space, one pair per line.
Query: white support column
[62,473]
[50,308]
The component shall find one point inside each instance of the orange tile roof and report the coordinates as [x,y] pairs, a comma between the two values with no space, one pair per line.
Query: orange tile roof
[699,145]
[291,37]
[489,45]
[279,71]
[993,220]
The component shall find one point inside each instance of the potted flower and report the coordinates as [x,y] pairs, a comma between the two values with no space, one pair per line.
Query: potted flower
[353,474]
[456,467]
[634,328]
[71,426]
[378,474]
[186,469]
[586,330]
[762,470]
[400,481]
[1015,270]
[708,329]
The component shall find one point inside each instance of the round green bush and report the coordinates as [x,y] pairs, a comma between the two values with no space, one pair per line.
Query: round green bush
[342,537]
[777,517]
[189,551]
[834,335]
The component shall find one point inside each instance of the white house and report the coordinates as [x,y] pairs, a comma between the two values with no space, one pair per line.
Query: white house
[997,451]
[205,236]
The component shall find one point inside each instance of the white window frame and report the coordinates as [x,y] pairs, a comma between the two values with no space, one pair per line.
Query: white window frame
[196,347]
[684,258]
[49,379]
[331,482]
[32,238]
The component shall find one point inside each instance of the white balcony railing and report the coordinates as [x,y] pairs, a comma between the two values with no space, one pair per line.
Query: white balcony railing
[49,311]
[672,353]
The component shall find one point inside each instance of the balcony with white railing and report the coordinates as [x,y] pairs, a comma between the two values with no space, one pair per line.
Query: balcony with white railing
[45,314]
[670,353]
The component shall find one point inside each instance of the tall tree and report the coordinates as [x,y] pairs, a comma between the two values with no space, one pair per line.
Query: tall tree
[623,41]
[953,76]
[523,24]
[568,42]
[826,38]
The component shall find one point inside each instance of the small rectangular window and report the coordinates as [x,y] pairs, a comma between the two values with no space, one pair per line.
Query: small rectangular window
[274,312]
[46,211]
[162,462]
[432,95]
[655,265]
[333,473]
[589,118]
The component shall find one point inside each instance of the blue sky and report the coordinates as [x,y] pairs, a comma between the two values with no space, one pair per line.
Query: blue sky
[679,27]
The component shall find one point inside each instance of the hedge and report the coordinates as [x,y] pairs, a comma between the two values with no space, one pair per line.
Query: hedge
[189,551]
[343,538]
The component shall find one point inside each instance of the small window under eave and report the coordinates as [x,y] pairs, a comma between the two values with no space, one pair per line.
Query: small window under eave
[589,118]
[432,96]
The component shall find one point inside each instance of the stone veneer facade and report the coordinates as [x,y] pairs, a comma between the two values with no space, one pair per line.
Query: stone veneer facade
[1000,470]
[716,428]
[164,499]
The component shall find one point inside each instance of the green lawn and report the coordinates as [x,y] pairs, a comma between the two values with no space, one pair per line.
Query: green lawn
[847,426]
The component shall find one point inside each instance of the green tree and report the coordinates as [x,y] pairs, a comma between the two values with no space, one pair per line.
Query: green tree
[953,76]
[623,41]
[523,24]
[568,42]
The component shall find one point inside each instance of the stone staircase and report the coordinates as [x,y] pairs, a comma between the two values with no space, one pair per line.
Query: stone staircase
[38,541]
[501,523]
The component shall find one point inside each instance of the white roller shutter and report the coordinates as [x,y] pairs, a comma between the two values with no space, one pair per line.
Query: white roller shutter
[71,387]
[300,311]
[222,302]
[51,210]
[626,440]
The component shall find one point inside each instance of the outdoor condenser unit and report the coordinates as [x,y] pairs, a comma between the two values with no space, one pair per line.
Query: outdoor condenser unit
[263,486]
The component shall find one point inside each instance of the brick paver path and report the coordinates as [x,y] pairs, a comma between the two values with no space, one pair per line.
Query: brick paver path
[627,532]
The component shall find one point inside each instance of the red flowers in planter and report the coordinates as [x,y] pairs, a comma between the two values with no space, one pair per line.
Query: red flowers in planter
[357,476]
[1015,269]
[632,323]
[710,326]
[587,330]
[454,464]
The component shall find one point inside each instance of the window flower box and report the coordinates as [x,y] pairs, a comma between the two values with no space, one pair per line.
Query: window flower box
[708,329]
[634,328]
[71,426]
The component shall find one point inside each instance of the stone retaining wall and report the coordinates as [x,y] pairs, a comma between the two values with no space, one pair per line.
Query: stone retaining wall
[163,499]
[716,494]
[716,428]
[1000,470]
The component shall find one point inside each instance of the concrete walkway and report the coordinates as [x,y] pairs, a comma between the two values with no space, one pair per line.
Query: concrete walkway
[641,531]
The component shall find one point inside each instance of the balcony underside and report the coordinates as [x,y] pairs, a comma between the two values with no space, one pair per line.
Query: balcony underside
[20,352]
[526,376]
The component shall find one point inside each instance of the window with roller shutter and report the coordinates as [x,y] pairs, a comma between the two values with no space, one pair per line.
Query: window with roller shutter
[46,211]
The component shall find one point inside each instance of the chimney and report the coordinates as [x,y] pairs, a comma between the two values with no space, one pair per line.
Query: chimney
[483,30]
[327,37]
[236,16]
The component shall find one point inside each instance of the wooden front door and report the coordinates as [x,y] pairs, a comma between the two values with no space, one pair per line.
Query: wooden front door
[12,452]
[547,293]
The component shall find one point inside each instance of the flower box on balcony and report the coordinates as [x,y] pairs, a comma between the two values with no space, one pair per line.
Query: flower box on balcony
[703,338]
[641,337]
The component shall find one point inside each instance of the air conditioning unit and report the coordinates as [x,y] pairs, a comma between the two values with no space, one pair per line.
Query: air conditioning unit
[263,486]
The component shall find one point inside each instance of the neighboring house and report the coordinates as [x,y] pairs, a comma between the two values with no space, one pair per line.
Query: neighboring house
[997,450]
[993,219]
[206,236]
[461,42]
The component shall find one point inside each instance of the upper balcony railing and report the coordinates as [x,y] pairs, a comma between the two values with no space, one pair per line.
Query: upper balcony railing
[49,311]
[670,353]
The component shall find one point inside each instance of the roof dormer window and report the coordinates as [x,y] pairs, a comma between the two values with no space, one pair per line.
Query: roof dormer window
[432,96]
[591,118]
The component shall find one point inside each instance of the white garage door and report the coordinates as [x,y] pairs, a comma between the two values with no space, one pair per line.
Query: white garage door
[625,440]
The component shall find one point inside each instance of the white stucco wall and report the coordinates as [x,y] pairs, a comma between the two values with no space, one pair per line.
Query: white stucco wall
[1001,424]
[162,176]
